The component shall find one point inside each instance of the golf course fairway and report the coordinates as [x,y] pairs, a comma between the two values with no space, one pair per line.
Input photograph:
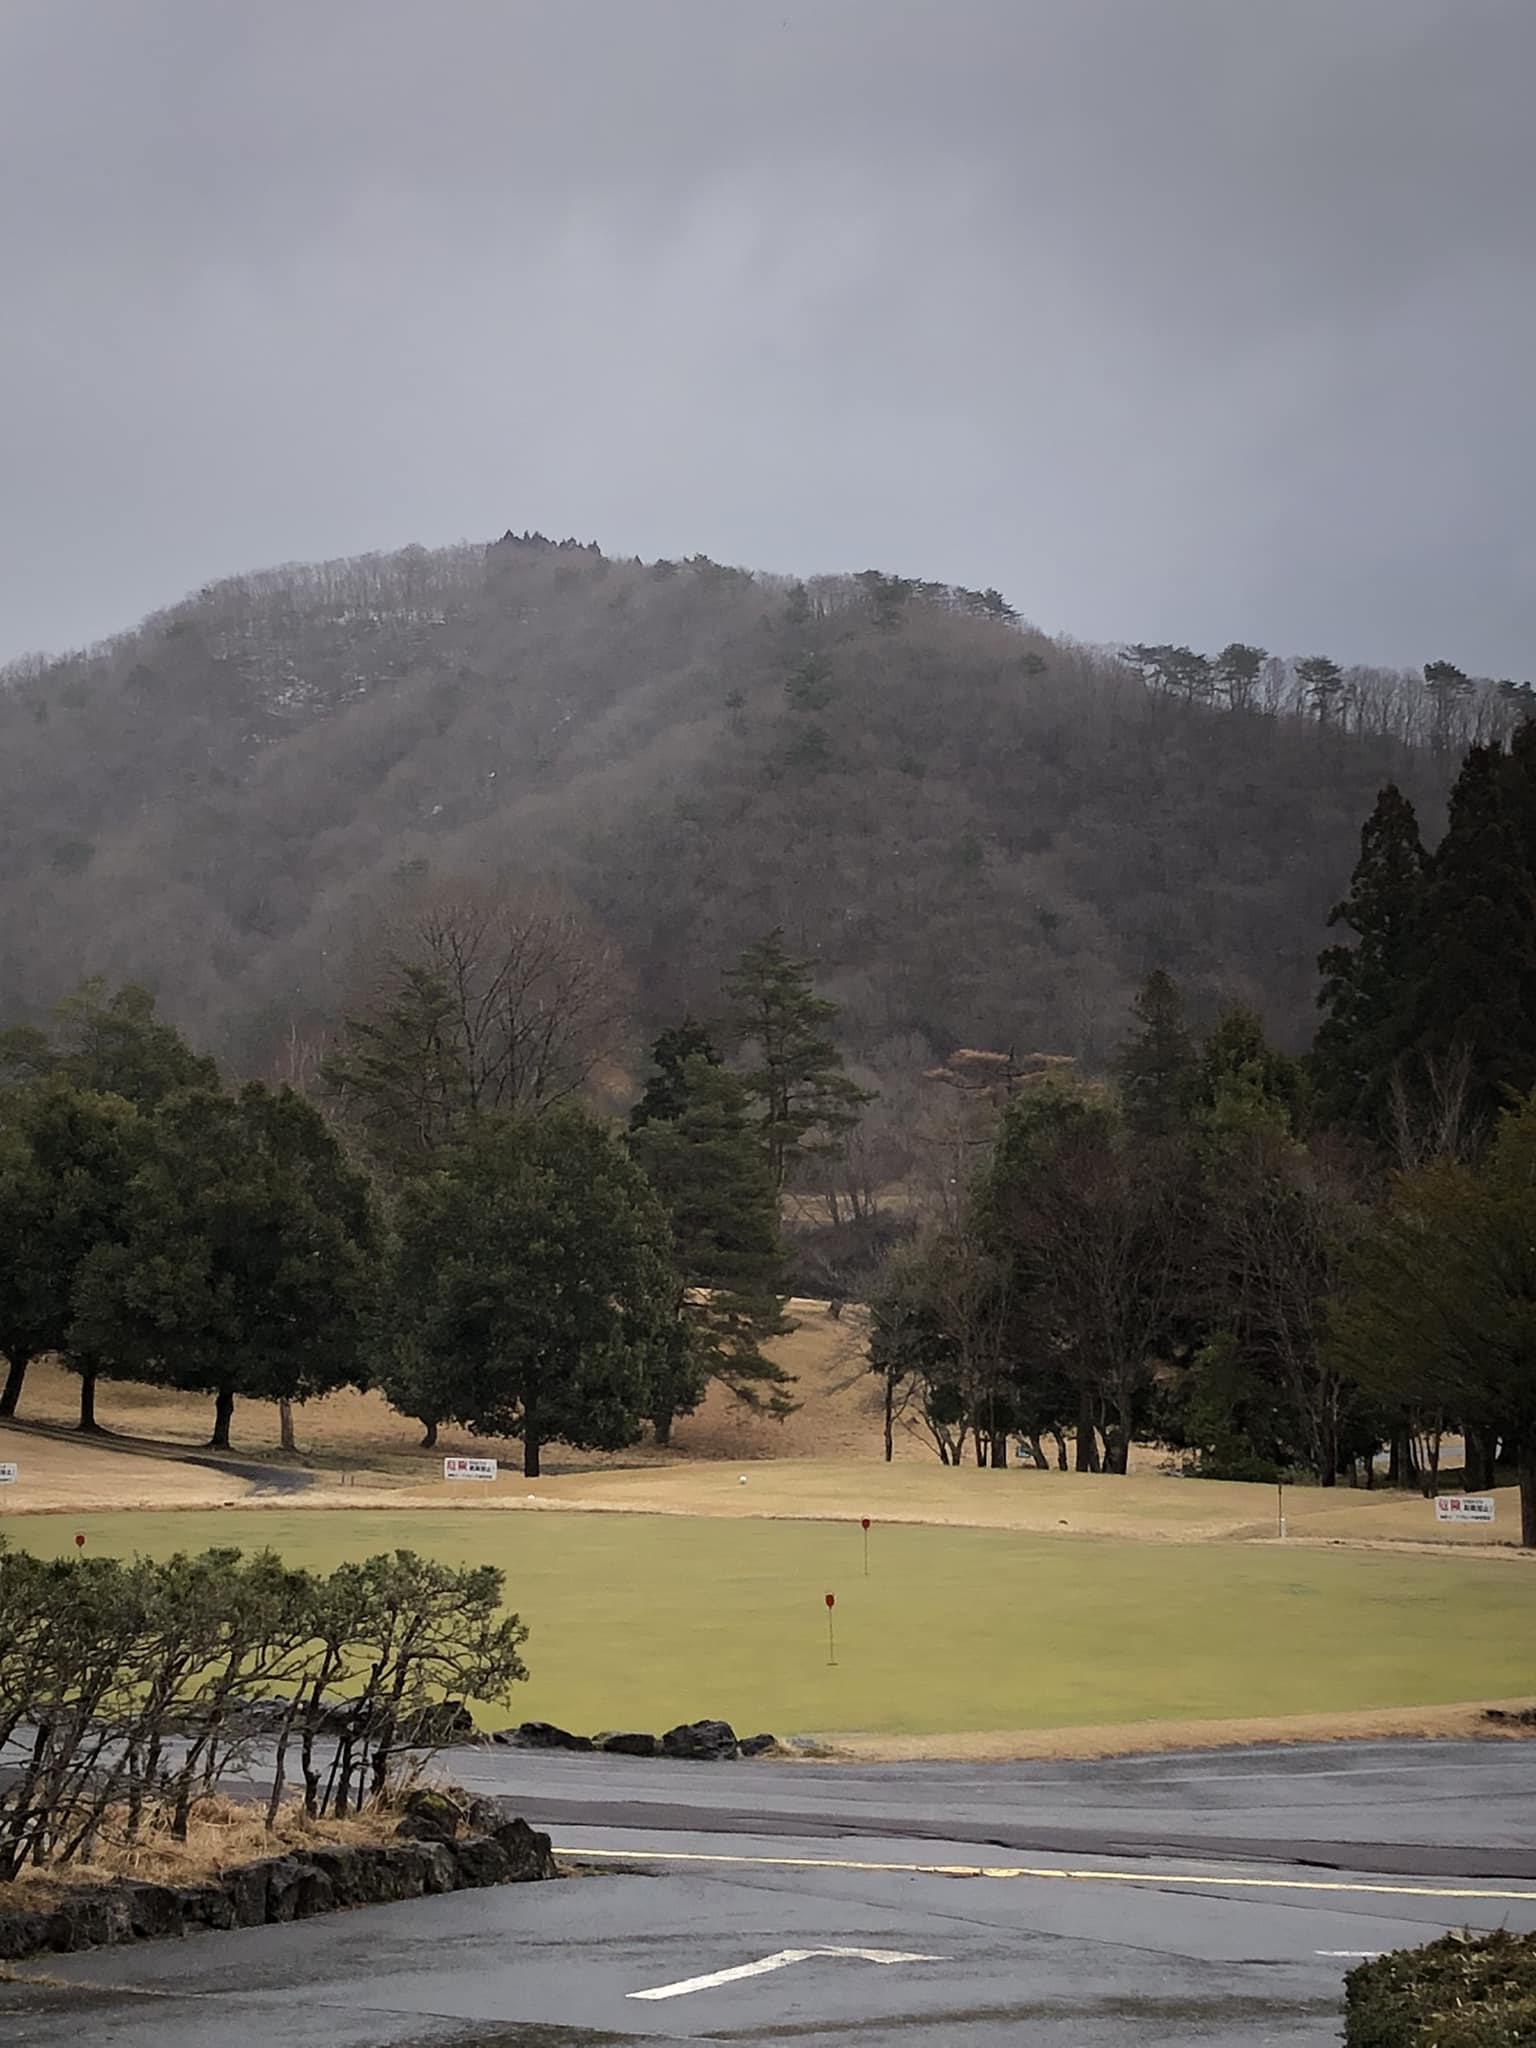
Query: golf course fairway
[642,1621]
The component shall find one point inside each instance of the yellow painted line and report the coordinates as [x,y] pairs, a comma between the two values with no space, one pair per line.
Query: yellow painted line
[1176,1877]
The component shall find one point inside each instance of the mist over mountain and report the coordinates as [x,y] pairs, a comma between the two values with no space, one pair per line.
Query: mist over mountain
[981,836]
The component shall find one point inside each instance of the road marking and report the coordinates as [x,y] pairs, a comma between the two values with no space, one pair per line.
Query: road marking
[778,1961]
[999,1870]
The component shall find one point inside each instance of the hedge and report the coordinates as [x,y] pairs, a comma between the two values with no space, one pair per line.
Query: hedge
[1463,1991]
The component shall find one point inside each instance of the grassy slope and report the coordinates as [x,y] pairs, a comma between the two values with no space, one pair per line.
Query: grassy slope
[643,1621]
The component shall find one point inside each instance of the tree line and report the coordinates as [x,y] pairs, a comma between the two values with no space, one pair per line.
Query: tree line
[128,1689]
[445,1218]
[1439,706]
[1275,1264]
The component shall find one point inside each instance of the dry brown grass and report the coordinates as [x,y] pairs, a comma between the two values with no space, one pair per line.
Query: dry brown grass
[1134,1738]
[840,1415]
[62,1472]
[223,1834]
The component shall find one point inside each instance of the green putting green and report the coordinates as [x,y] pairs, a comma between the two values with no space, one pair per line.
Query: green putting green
[641,1621]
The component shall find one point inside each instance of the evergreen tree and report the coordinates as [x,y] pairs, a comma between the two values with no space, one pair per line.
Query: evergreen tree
[1368,991]
[666,1092]
[246,1263]
[1238,668]
[1322,686]
[534,1284]
[705,1163]
[67,1160]
[1449,688]
[807,1103]
[1434,1306]
[108,1045]
[1239,1066]
[398,1077]
[1476,994]
[1156,1066]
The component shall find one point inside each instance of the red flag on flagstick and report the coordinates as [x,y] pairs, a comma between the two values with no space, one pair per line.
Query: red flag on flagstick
[864,1525]
[831,1600]
[79,1541]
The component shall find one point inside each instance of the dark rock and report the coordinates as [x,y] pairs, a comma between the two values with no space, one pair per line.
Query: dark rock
[247,1889]
[296,1890]
[206,1905]
[702,1742]
[481,1860]
[757,1745]
[407,1866]
[154,1910]
[629,1745]
[440,1869]
[345,1867]
[442,1722]
[530,1854]
[545,1735]
[22,1935]
[430,1816]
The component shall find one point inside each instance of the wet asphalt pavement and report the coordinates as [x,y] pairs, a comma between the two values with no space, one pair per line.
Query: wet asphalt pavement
[1214,1899]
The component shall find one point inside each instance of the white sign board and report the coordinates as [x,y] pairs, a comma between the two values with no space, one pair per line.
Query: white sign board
[469,1468]
[8,1475]
[1464,1507]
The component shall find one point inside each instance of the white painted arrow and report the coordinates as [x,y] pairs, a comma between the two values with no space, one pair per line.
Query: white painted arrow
[778,1961]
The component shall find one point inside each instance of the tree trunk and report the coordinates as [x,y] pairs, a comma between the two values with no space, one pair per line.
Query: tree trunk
[223,1414]
[1087,1452]
[429,1424]
[88,1425]
[1477,1467]
[285,1426]
[1528,1490]
[530,1456]
[16,1372]
[890,1418]
[1061,1450]
[661,1425]
[1000,1451]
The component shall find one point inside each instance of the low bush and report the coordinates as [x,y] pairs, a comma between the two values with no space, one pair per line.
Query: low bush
[1463,1991]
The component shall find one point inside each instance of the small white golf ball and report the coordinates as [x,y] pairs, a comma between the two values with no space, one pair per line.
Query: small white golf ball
[742,1480]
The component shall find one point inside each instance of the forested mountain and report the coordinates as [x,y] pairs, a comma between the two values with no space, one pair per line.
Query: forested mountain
[981,836]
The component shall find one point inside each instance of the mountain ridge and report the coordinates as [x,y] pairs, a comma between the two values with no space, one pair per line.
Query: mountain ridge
[980,834]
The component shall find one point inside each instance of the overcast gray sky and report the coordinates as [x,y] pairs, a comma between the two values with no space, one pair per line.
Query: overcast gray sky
[1174,319]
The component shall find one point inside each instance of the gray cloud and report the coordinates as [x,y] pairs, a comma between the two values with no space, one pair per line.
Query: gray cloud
[1173,318]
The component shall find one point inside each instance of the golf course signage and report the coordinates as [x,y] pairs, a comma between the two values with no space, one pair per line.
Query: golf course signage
[8,1475]
[469,1468]
[1464,1507]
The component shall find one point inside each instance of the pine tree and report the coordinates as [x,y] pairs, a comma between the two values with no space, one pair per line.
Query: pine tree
[667,1093]
[1238,668]
[398,1077]
[1156,1065]
[1476,999]
[807,1103]
[1368,991]
[534,1292]
[1322,685]
[706,1165]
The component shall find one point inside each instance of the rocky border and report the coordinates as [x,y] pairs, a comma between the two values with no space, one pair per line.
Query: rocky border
[443,1844]
[698,1742]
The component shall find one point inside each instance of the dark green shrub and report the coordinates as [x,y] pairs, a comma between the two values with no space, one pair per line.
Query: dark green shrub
[1463,1991]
